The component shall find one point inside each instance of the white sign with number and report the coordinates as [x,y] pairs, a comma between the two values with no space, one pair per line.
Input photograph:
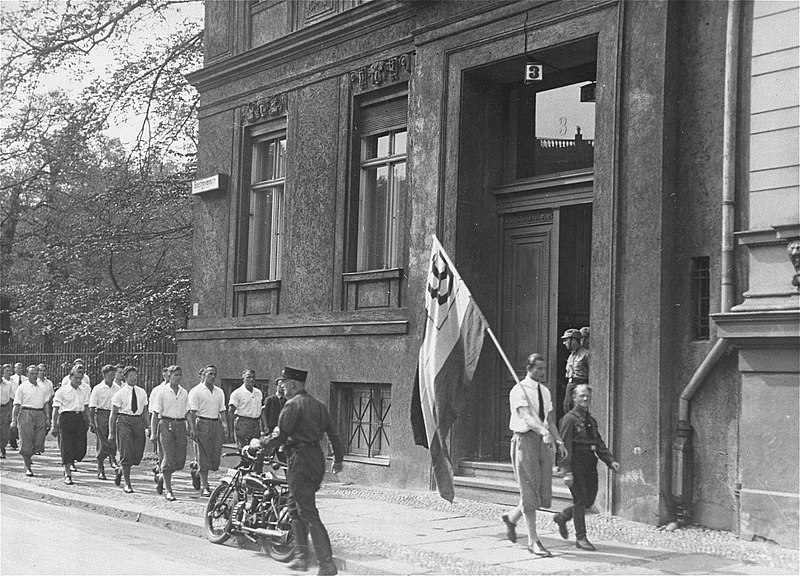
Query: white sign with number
[533,73]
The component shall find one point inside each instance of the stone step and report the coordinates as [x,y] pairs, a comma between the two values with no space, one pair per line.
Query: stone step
[478,469]
[501,491]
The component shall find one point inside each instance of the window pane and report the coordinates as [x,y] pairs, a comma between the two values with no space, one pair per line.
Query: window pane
[400,143]
[280,168]
[383,146]
[261,235]
[375,204]
[555,131]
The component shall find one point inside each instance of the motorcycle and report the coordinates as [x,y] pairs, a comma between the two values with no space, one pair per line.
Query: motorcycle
[253,504]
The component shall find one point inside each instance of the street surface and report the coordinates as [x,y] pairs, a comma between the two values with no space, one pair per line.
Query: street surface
[73,541]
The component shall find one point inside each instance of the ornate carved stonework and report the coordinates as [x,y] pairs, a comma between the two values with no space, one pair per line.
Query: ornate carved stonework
[382,72]
[318,8]
[265,108]
[528,218]
[793,247]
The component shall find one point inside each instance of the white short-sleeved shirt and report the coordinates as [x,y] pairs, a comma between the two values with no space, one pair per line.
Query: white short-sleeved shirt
[85,380]
[247,404]
[7,390]
[154,392]
[122,400]
[31,395]
[518,399]
[102,394]
[48,384]
[69,399]
[170,404]
[205,403]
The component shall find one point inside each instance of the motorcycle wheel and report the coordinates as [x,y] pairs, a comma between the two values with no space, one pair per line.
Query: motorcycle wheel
[218,512]
[281,552]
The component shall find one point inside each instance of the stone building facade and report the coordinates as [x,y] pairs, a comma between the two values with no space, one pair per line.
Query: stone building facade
[570,157]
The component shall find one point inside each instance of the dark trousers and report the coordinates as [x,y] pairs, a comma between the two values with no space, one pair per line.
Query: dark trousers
[245,429]
[105,449]
[583,489]
[5,424]
[72,431]
[304,476]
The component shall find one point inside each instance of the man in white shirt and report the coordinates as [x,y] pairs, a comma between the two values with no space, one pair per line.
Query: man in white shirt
[84,380]
[207,413]
[244,410]
[18,377]
[99,414]
[533,424]
[31,416]
[151,402]
[71,421]
[169,410]
[8,387]
[129,423]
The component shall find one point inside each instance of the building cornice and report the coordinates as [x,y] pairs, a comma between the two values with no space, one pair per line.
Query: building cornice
[759,324]
[349,25]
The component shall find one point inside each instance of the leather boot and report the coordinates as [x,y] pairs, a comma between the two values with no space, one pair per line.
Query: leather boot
[299,560]
[322,547]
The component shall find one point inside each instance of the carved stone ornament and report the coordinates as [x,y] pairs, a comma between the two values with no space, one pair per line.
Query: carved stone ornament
[531,217]
[265,108]
[382,72]
[793,247]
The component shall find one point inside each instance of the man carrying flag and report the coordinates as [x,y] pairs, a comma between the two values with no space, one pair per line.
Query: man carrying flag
[454,331]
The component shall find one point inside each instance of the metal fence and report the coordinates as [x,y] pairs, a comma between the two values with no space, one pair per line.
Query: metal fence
[149,357]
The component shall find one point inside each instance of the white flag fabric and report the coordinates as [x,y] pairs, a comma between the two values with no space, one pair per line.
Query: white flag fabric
[454,331]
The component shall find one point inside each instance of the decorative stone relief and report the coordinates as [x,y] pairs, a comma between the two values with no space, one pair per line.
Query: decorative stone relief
[793,247]
[528,218]
[265,108]
[318,8]
[382,72]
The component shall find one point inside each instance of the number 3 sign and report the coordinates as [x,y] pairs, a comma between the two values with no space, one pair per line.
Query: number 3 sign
[533,73]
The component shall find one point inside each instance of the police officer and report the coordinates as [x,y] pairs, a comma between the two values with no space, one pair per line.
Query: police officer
[577,371]
[301,426]
[584,446]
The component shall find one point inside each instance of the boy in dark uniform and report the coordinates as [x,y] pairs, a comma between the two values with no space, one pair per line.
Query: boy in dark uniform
[584,446]
[301,425]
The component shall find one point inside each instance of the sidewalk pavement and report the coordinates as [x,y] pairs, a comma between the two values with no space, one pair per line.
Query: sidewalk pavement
[390,531]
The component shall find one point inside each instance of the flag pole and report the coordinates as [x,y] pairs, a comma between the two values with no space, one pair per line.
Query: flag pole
[503,354]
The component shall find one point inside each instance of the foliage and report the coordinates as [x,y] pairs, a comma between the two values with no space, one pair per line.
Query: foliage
[96,233]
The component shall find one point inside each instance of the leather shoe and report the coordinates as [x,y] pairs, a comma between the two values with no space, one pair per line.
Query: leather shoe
[29,473]
[160,484]
[511,529]
[170,497]
[68,481]
[205,492]
[584,544]
[327,569]
[102,475]
[298,564]
[540,550]
[562,525]
[127,489]
[118,476]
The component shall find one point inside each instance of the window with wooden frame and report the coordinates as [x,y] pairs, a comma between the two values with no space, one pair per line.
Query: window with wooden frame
[265,200]
[378,189]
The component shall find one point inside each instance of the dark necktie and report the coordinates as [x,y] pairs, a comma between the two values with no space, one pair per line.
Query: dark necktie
[541,402]
[135,404]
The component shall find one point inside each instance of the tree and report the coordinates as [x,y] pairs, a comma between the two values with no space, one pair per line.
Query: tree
[95,232]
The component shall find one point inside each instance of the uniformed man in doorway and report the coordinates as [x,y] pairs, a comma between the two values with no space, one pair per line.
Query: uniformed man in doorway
[301,426]
[577,370]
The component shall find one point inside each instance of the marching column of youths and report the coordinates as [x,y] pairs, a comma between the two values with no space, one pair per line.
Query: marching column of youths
[121,415]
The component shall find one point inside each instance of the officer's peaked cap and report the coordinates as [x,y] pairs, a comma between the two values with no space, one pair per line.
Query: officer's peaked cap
[572,333]
[293,374]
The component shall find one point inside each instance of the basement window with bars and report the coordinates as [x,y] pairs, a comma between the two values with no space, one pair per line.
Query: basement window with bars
[363,412]
[701,297]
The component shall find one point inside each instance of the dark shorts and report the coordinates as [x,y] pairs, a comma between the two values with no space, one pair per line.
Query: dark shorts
[130,439]
[105,447]
[172,442]
[72,431]
[209,443]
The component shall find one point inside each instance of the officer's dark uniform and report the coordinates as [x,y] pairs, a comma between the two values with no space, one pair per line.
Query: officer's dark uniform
[302,423]
[584,445]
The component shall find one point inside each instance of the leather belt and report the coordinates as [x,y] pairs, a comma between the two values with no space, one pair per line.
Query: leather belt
[209,419]
[173,419]
[34,409]
[248,417]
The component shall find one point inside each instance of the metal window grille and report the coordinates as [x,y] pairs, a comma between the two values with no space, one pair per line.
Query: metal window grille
[365,411]
[701,297]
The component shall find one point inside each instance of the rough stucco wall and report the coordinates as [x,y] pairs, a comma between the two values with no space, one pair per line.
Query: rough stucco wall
[639,284]
[311,199]
[714,410]
[210,217]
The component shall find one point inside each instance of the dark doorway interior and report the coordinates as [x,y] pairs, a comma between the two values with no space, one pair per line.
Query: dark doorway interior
[574,281]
